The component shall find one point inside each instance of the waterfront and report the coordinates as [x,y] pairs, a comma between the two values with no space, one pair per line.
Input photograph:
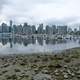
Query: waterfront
[18,45]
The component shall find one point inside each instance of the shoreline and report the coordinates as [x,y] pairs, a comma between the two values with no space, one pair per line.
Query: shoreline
[43,53]
[62,66]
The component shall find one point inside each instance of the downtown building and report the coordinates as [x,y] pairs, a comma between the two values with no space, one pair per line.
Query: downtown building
[26,29]
[70,30]
[62,30]
[19,29]
[51,29]
[4,28]
[40,29]
[33,29]
[15,29]
[54,30]
[0,29]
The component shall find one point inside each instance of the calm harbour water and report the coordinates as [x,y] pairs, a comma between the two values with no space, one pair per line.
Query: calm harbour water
[20,45]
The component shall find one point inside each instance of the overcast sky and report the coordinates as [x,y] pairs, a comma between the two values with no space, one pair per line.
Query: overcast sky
[40,11]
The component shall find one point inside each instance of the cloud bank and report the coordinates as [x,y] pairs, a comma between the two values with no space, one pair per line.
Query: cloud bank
[40,11]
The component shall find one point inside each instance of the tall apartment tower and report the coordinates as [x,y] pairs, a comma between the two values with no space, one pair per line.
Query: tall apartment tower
[10,27]
[11,23]
[62,29]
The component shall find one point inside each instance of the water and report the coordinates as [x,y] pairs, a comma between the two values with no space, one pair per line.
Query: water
[18,45]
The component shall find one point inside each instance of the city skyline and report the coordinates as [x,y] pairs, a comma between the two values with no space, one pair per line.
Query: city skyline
[27,29]
[11,23]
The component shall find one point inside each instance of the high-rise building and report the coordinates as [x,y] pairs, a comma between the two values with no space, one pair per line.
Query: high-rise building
[5,28]
[26,29]
[69,30]
[0,29]
[49,30]
[33,29]
[75,30]
[19,29]
[10,27]
[54,29]
[15,29]
[40,29]
[62,29]
[11,23]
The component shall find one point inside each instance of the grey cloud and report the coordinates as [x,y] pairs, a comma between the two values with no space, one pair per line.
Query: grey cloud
[28,10]
[63,21]
[47,1]
[2,3]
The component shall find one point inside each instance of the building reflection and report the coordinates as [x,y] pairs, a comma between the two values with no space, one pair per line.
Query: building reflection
[47,41]
[33,41]
[11,43]
[27,41]
[50,41]
[61,41]
[40,40]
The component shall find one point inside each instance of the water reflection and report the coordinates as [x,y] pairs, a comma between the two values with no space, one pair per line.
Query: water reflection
[40,40]
[10,41]
[26,45]
[27,41]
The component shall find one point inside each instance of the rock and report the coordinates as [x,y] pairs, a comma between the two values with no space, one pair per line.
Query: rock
[24,75]
[67,60]
[4,71]
[1,74]
[56,72]
[76,69]
[51,66]
[17,70]
[5,65]
[45,59]
[12,77]
[58,66]
[78,76]
[14,62]
[72,74]
[66,76]
[22,63]
[42,76]
[36,70]
[65,66]
[78,72]
[69,72]
[61,70]
[45,71]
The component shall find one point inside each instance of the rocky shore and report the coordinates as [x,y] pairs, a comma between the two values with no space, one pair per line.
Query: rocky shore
[62,66]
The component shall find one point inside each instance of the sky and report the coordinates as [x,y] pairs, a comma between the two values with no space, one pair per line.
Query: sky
[40,11]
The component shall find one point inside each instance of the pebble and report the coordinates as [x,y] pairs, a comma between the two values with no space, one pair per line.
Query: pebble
[45,71]
[41,76]
[72,74]
[56,71]
[78,76]
[69,72]
[56,74]
[65,66]
[66,76]
[78,72]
